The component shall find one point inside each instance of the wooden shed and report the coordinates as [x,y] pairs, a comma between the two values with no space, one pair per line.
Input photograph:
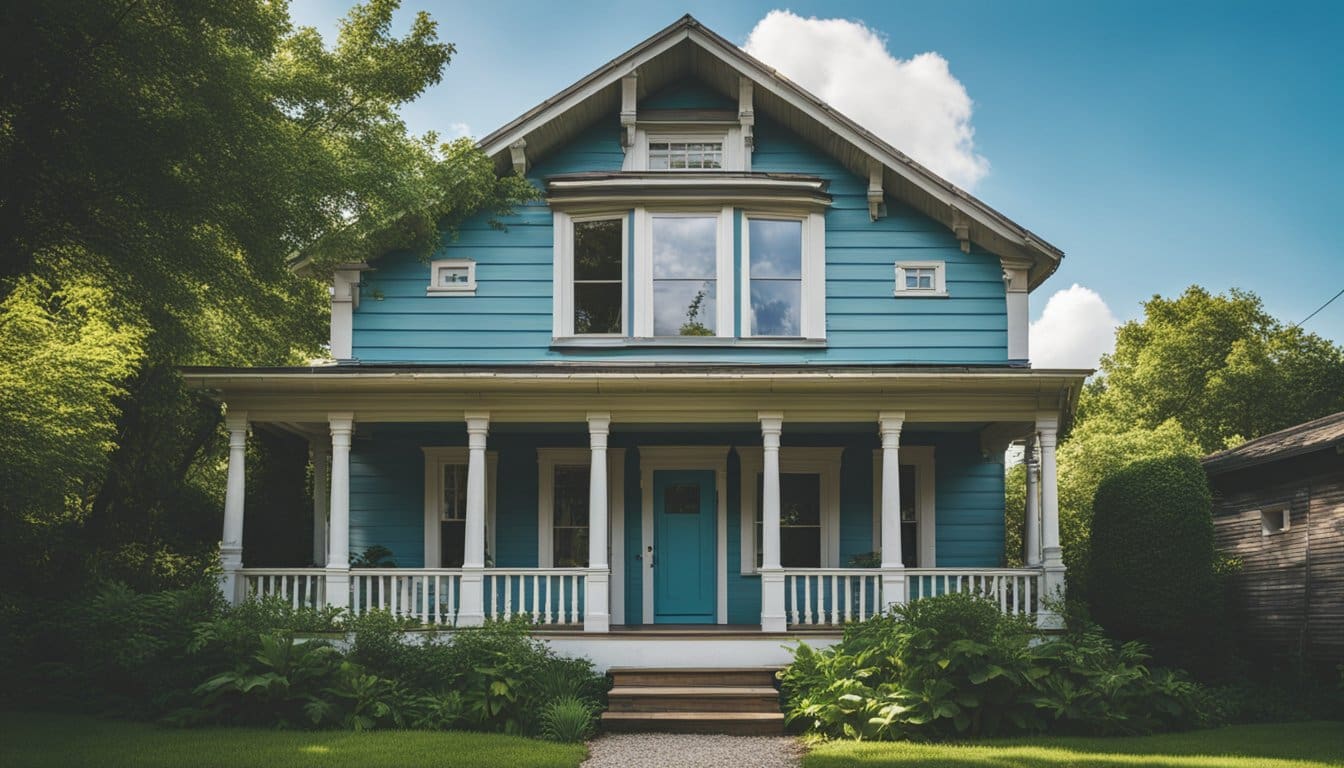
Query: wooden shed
[1278,506]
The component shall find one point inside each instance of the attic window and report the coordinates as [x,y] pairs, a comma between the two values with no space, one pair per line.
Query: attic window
[921,278]
[666,154]
[1274,521]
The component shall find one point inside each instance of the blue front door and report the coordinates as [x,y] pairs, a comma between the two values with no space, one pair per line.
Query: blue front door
[684,505]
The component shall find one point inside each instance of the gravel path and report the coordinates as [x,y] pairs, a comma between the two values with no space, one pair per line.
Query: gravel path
[675,750]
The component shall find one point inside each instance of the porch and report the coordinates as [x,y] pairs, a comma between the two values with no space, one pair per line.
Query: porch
[667,512]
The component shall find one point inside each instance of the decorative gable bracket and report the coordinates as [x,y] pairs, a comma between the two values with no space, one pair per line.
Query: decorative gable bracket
[518,152]
[629,109]
[961,228]
[746,113]
[875,194]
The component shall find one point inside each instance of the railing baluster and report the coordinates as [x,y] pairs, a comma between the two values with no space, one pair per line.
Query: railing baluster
[849,616]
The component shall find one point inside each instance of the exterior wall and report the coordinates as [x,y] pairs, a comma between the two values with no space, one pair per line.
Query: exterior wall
[387,495]
[1289,594]
[509,320]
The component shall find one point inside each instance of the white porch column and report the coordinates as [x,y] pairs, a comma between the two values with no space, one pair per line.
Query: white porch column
[893,569]
[471,608]
[1053,586]
[1031,524]
[338,554]
[231,545]
[773,618]
[320,451]
[597,614]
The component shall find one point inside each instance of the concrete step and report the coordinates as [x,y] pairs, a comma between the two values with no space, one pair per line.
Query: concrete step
[734,723]
[625,698]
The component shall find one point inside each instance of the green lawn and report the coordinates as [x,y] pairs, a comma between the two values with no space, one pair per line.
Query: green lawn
[71,741]
[1290,745]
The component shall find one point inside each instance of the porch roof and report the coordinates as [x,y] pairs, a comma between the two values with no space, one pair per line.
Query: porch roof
[651,392]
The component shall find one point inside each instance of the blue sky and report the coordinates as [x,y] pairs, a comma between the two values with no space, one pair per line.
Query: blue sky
[1158,144]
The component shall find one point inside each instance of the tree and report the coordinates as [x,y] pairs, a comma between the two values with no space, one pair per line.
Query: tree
[1220,366]
[162,162]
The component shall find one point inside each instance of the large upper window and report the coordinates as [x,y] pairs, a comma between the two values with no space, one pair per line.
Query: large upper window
[775,257]
[685,274]
[599,287]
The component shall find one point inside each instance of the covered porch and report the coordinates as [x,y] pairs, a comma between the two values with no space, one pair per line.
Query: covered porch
[642,503]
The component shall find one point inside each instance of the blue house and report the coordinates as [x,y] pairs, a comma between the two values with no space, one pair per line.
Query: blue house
[743,367]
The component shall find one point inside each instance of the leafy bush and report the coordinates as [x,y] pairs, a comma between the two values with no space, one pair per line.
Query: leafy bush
[567,719]
[1153,563]
[954,665]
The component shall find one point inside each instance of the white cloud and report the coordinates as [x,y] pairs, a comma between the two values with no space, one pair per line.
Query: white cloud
[914,104]
[459,130]
[1076,328]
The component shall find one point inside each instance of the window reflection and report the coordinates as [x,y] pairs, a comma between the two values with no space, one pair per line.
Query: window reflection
[685,288]
[776,266]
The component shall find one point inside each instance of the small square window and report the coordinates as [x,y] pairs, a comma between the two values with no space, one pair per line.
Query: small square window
[1274,521]
[920,278]
[452,277]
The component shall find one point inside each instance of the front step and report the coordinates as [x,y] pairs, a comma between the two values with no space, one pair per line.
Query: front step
[736,701]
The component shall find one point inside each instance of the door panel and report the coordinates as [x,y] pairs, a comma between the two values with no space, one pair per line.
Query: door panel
[685,556]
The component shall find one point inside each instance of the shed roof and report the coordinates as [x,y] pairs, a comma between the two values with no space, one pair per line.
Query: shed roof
[1320,434]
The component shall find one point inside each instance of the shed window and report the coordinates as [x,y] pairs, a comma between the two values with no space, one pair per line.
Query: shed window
[1275,520]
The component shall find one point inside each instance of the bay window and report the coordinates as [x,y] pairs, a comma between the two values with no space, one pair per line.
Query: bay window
[783,287]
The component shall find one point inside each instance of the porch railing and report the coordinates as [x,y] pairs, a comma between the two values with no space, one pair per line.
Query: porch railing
[300,587]
[1017,590]
[824,596]
[429,595]
[548,595]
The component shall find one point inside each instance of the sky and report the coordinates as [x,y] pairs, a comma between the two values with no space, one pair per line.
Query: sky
[1159,144]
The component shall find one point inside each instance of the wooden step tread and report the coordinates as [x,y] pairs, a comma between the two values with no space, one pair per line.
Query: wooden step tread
[707,691]
[697,716]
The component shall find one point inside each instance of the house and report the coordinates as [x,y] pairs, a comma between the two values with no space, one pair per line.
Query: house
[1278,508]
[743,369]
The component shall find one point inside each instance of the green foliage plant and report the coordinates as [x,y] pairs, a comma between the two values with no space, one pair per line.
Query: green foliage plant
[567,719]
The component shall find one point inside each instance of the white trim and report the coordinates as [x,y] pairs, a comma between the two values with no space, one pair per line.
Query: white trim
[939,289]
[562,319]
[643,265]
[436,457]
[1016,286]
[797,460]
[921,458]
[455,289]
[654,458]
[812,322]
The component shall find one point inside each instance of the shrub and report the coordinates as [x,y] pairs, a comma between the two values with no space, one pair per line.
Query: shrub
[567,719]
[1153,563]
[954,666]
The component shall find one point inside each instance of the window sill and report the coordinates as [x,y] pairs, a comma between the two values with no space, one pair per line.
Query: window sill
[921,294]
[623,342]
[450,292]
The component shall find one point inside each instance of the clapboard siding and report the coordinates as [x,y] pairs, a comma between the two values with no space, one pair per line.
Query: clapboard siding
[509,320]
[1288,596]
[387,496]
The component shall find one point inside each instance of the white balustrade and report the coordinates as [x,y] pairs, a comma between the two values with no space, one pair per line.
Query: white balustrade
[300,587]
[428,595]
[547,595]
[1016,590]
[831,596]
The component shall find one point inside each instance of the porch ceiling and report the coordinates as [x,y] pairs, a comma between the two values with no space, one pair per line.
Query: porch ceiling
[652,395]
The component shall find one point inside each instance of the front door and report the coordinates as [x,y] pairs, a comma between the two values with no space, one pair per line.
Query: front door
[684,506]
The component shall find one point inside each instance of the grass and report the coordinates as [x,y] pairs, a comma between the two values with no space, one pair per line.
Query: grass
[71,741]
[1282,745]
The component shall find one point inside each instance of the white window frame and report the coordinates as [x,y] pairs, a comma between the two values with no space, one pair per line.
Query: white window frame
[735,156]
[812,323]
[793,460]
[921,458]
[457,289]
[550,458]
[643,267]
[563,318]
[939,289]
[436,458]
[1286,513]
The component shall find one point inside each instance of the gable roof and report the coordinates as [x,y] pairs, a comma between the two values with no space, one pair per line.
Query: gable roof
[688,47]
[1315,435]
